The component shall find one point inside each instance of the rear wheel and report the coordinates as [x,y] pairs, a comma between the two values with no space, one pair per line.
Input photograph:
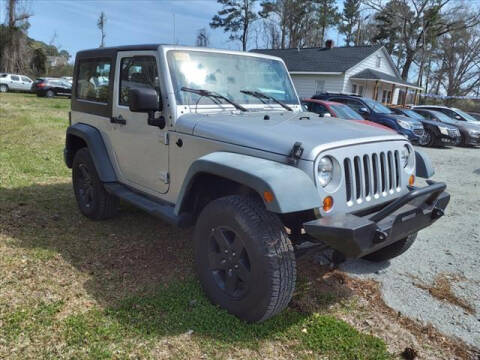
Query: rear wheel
[49,94]
[393,250]
[92,199]
[3,88]
[244,258]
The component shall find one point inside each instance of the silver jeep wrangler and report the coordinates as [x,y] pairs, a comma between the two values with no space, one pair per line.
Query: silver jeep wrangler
[218,140]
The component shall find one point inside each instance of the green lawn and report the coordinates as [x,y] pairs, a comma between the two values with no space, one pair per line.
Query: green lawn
[124,288]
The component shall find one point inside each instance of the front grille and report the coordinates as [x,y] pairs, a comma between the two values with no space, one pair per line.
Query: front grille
[371,174]
[453,132]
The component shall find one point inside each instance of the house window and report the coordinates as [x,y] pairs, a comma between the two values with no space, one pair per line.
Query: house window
[379,61]
[319,86]
[354,88]
[360,90]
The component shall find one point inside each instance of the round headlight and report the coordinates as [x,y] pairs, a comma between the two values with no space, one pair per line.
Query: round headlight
[325,171]
[405,156]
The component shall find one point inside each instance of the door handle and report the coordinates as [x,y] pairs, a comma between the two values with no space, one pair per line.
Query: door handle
[118,120]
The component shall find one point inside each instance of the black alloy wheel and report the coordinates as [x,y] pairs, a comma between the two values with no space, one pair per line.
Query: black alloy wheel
[229,261]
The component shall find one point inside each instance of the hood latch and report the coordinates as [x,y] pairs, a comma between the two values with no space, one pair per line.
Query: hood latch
[295,153]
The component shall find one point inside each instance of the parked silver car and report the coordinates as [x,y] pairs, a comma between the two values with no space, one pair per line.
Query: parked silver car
[14,82]
[217,140]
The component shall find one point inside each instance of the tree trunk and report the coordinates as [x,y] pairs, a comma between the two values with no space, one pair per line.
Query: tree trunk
[408,63]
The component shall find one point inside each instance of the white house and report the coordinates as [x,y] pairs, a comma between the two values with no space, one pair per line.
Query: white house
[364,70]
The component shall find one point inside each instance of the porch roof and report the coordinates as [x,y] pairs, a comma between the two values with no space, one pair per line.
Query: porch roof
[374,75]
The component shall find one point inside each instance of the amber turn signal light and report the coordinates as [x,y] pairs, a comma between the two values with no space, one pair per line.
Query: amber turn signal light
[411,180]
[268,196]
[327,203]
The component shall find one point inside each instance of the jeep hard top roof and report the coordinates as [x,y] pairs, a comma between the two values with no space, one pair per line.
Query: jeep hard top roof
[106,51]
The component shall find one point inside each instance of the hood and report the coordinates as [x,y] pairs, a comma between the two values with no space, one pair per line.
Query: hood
[437,123]
[405,118]
[281,131]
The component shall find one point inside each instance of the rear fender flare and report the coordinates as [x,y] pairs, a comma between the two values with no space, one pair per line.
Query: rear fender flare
[98,151]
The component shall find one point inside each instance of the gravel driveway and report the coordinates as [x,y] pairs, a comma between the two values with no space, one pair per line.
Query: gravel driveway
[445,255]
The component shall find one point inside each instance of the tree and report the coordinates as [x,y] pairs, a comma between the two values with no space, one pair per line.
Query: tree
[458,59]
[236,17]
[202,38]
[102,20]
[327,16]
[405,26]
[350,20]
[38,63]
[15,51]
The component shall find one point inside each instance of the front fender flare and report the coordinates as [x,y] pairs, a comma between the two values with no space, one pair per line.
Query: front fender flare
[92,137]
[424,167]
[293,190]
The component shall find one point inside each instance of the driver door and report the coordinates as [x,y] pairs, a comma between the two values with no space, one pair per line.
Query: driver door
[141,150]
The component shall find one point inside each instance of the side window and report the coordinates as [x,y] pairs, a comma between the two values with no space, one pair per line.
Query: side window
[26,79]
[319,109]
[137,72]
[15,77]
[355,105]
[93,80]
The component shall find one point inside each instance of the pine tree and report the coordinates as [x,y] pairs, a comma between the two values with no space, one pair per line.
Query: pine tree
[350,20]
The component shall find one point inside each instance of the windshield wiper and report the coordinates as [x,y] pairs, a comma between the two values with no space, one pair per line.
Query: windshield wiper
[260,95]
[213,95]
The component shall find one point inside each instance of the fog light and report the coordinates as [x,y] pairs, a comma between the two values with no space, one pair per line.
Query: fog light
[411,180]
[327,203]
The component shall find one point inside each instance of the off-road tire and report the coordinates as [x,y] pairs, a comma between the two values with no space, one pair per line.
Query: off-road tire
[270,257]
[98,204]
[3,88]
[50,94]
[393,250]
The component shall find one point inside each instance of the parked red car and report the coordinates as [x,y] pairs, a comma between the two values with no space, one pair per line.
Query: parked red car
[338,110]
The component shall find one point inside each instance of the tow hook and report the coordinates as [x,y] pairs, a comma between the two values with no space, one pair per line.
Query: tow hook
[380,236]
[437,213]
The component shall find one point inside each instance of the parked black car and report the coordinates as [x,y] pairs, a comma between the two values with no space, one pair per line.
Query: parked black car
[436,133]
[470,132]
[374,111]
[50,87]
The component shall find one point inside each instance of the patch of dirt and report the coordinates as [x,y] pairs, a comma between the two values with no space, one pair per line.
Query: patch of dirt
[442,290]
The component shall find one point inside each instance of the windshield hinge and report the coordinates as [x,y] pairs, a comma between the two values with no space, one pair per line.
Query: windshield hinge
[295,153]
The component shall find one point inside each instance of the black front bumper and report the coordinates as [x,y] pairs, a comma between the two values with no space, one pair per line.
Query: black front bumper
[356,236]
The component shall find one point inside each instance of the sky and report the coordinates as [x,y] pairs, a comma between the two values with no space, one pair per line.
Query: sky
[128,22]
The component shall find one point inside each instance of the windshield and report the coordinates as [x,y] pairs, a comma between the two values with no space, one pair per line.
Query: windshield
[377,107]
[227,75]
[413,114]
[463,114]
[442,117]
[345,112]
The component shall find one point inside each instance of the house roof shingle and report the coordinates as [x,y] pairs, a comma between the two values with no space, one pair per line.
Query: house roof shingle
[336,59]
[377,75]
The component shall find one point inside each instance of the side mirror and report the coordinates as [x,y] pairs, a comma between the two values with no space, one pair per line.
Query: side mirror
[146,100]
[363,111]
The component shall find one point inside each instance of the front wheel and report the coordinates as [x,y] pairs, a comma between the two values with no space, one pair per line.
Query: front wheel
[50,94]
[393,250]
[244,258]
[3,88]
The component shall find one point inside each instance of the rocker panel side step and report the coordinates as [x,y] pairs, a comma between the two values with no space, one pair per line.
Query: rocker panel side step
[161,210]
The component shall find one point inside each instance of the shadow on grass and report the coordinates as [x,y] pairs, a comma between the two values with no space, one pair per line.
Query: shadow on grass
[140,270]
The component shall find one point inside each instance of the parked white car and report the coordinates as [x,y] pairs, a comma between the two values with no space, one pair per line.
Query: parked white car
[14,82]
